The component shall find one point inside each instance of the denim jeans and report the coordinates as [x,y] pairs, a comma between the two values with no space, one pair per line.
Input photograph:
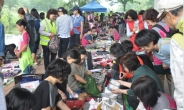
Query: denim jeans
[46,56]
[75,39]
[79,91]
[28,70]
[63,46]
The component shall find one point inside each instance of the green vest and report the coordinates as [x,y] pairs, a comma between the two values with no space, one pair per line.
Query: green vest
[26,59]
[48,28]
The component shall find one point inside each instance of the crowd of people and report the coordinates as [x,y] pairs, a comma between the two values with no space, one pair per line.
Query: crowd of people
[156,35]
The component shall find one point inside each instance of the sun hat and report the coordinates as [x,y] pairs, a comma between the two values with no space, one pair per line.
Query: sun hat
[168,5]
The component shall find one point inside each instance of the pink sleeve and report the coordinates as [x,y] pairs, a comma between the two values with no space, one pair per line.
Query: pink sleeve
[26,38]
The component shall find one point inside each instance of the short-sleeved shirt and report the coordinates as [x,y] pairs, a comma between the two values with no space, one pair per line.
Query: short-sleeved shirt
[42,95]
[142,71]
[77,22]
[24,40]
[72,82]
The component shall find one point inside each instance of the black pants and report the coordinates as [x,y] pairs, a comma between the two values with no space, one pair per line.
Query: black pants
[133,101]
[46,56]
[63,46]
[75,39]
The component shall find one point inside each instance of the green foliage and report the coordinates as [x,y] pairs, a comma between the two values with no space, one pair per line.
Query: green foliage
[138,5]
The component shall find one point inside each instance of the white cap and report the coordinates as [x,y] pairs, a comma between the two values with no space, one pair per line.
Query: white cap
[168,5]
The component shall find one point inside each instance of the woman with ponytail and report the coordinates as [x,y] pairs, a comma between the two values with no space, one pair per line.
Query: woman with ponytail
[78,22]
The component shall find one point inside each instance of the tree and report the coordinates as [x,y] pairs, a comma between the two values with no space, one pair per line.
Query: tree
[123,2]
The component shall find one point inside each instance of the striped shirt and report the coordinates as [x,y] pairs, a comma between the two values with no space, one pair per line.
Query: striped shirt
[64,25]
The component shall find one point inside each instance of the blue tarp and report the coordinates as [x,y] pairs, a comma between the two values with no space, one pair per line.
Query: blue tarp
[93,6]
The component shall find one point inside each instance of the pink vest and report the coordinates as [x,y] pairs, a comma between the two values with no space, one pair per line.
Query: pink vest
[85,42]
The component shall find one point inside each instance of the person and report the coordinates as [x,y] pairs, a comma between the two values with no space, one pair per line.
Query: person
[63,25]
[127,45]
[120,23]
[23,50]
[47,31]
[150,96]
[172,13]
[20,99]
[86,27]
[131,64]
[2,101]
[78,23]
[42,16]
[97,17]
[2,43]
[102,17]
[164,31]
[47,95]
[35,14]
[78,74]
[117,51]
[24,14]
[133,26]
[87,40]
[2,47]
[150,41]
[70,57]
[114,34]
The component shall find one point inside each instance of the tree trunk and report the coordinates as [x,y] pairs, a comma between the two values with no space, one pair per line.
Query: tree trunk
[124,7]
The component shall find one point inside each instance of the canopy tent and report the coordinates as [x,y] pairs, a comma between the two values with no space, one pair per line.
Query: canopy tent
[93,5]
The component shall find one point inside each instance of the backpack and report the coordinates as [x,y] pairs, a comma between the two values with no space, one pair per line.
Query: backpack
[168,34]
[53,44]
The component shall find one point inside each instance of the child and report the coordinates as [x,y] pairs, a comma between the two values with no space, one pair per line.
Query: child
[23,51]
[113,32]
[87,40]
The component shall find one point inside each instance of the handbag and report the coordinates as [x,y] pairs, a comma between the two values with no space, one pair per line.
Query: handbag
[72,32]
[75,104]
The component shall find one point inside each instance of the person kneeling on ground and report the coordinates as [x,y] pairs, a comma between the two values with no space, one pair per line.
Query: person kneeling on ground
[87,40]
[78,74]
[47,94]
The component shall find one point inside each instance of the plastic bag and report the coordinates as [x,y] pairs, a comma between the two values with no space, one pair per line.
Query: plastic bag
[90,87]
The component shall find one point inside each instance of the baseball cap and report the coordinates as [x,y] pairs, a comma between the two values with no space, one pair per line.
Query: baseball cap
[60,9]
[75,8]
[168,5]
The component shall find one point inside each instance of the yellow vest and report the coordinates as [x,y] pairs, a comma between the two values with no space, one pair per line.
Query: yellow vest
[48,28]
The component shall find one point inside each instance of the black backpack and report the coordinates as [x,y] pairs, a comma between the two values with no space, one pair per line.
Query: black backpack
[169,34]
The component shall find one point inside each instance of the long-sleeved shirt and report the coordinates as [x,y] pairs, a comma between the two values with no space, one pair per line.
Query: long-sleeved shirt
[43,28]
[2,40]
[64,25]
[142,71]
[129,33]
